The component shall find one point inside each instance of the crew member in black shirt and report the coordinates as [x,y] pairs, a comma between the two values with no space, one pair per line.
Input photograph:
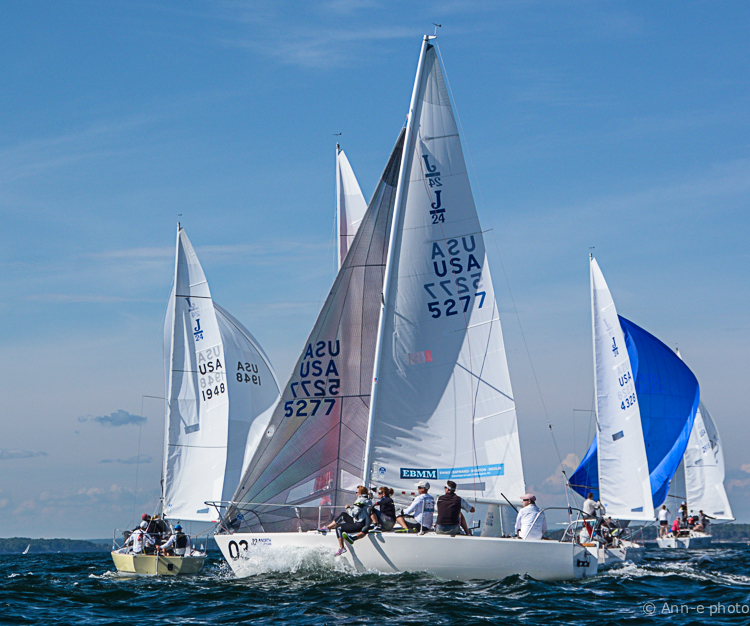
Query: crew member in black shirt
[449,518]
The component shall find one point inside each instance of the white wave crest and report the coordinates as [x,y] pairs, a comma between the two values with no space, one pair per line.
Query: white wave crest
[267,560]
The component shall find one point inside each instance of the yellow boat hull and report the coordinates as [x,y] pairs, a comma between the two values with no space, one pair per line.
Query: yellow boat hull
[152,565]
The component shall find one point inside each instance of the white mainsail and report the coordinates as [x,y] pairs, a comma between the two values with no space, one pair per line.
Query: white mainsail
[442,406]
[624,484]
[704,469]
[350,203]
[220,392]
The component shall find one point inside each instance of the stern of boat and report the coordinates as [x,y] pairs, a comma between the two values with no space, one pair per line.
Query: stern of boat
[151,565]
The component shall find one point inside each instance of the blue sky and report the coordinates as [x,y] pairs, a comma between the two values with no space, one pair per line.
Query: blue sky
[621,126]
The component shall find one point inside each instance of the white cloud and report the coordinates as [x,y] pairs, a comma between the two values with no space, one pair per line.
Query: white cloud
[6,454]
[117,418]
[569,464]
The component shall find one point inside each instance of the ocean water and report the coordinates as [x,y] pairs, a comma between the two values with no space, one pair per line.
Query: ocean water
[670,587]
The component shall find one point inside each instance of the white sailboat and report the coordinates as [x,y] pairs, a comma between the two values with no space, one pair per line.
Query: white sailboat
[404,376]
[26,551]
[220,393]
[350,203]
[624,483]
[703,465]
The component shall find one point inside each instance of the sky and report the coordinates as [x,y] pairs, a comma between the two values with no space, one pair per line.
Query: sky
[621,127]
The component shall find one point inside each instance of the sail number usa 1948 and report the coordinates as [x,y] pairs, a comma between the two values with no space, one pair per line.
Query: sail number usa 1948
[211,373]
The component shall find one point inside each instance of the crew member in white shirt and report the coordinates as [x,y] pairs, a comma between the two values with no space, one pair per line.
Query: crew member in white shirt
[663,515]
[422,509]
[139,538]
[530,522]
[591,506]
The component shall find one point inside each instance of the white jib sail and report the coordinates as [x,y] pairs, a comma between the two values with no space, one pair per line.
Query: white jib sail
[350,203]
[443,405]
[704,469]
[253,391]
[206,431]
[624,484]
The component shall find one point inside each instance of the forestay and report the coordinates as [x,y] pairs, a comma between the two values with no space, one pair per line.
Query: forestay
[220,388]
[312,451]
[350,203]
[624,484]
[443,406]
[704,469]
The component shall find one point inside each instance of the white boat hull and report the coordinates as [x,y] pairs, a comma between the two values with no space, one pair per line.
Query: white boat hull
[452,558]
[693,540]
[151,565]
[627,551]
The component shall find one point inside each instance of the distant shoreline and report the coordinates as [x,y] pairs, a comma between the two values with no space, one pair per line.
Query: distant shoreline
[17,545]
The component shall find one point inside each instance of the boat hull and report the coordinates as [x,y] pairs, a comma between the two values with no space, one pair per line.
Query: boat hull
[694,541]
[151,565]
[609,556]
[451,558]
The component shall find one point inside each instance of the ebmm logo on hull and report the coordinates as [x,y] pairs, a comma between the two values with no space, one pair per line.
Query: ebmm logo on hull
[407,472]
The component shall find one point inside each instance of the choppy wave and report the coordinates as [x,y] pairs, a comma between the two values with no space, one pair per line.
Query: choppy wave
[311,587]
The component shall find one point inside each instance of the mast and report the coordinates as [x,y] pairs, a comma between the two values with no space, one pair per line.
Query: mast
[593,348]
[397,210]
[168,395]
[338,206]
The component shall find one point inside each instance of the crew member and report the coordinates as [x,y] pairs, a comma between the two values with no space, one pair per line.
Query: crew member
[449,517]
[530,522]
[664,514]
[177,544]
[139,539]
[421,510]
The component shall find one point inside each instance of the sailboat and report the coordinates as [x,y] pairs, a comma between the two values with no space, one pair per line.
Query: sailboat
[404,376]
[350,203]
[662,392]
[703,467]
[26,551]
[621,464]
[220,391]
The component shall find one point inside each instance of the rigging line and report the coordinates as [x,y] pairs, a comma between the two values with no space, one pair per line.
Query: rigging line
[137,465]
[502,265]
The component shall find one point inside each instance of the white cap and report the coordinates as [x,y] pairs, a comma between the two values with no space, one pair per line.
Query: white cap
[423,483]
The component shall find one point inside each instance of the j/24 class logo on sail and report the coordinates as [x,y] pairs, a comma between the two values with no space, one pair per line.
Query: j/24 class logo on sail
[432,176]
[457,275]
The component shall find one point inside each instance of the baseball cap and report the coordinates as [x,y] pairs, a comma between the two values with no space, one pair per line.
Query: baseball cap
[423,483]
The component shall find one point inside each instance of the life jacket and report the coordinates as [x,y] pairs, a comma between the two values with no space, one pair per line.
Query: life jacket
[181,541]
[449,510]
